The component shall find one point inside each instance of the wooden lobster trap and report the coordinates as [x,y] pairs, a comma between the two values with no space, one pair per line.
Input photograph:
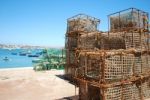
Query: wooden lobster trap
[112,65]
[129,20]
[82,22]
[124,90]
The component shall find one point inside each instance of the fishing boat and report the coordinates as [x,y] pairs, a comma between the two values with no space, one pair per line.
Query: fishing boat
[14,53]
[28,52]
[6,59]
[36,60]
[39,53]
[22,54]
[33,55]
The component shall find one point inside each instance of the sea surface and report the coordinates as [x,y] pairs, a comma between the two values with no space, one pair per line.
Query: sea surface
[15,60]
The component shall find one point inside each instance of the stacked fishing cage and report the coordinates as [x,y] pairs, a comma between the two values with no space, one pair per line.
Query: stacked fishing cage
[114,65]
[131,19]
[113,75]
[76,26]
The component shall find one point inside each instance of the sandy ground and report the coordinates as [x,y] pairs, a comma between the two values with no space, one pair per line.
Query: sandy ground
[26,84]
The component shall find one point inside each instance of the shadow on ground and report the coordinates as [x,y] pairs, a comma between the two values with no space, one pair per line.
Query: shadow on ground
[70,98]
[65,78]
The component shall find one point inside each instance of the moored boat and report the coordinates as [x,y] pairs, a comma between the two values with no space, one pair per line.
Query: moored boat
[22,54]
[36,60]
[33,55]
[6,59]
[39,53]
[14,53]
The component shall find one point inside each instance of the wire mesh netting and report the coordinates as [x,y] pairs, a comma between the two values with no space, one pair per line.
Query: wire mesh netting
[130,91]
[127,40]
[136,40]
[72,43]
[77,25]
[119,67]
[88,41]
[70,54]
[70,62]
[142,64]
[124,92]
[118,40]
[82,22]
[119,92]
[146,89]
[99,40]
[130,19]
[112,65]
[100,60]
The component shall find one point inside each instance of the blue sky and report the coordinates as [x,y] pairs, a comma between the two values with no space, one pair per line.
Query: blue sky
[43,22]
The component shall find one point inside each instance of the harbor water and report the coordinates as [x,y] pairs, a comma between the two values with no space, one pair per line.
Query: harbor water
[12,58]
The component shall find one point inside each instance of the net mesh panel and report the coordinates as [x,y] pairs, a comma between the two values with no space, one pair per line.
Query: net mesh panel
[88,41]
[72,57]
[70,62]
[124,35]
[146,89]
[116,41]
[142,64]
[69,56]
[82,25]
[135,40]
[67,70]
[113,93]
[81,66]
[128,20]
[94,67]
[137,68]
[125,92]
[120,92]
[119,40]
[101,41]
[145,63]
[127,40]
[131,92]
[72,42]
[136,93]
[111,41]
[116,67]
[83,22]
[119,67]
